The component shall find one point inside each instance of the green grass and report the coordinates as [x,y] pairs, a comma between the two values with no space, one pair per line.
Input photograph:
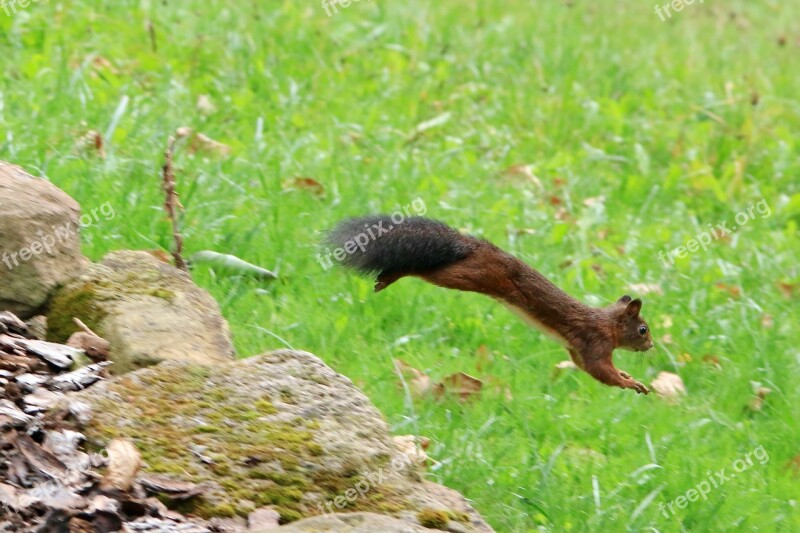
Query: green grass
[601,99]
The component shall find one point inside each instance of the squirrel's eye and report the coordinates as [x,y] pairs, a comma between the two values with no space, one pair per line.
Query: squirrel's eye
[642,330]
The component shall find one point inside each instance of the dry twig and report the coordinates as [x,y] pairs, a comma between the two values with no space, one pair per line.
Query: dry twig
[172,204]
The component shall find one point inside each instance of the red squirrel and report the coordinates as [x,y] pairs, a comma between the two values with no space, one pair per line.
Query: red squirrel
[431,250]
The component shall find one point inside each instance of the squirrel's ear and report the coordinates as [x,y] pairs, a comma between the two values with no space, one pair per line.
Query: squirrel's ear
[625,299]
[634,307]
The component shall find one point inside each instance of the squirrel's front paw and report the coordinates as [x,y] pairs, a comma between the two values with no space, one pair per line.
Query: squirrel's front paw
[624,375]
[638,387]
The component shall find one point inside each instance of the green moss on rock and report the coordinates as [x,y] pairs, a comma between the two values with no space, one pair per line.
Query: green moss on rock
[259,459]
[78,301]
[433,519]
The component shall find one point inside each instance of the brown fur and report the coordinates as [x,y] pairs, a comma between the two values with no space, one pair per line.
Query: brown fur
[589,334]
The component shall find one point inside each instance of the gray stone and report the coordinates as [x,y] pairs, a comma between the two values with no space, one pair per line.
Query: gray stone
[39,242]
[281,430]
[148,310]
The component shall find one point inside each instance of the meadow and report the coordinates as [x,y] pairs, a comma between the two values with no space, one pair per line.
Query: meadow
[590,139]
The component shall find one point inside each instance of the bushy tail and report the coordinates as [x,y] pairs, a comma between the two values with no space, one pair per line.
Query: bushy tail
[377,246]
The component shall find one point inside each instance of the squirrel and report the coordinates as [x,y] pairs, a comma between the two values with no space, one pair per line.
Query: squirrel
[428,249]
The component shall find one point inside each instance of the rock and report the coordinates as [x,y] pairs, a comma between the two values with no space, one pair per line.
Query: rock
[281,430]
[349,523]
[39,243]
[147,310]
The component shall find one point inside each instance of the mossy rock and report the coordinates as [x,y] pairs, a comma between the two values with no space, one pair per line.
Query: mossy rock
[229,426]
[148,310]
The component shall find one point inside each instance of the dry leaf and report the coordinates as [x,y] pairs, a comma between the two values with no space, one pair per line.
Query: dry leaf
[523,173]
[123,465]
[645,288]
[304,184]
[562,367]
[419,383]
[183,131]
[597,200]
[685,358]
[205,106]
[767,321]
[161,255]
[413,447]
[787,289]
[733,290]
[712,360]
[757,402]
[484,357]
[90,143]
[794,465]
[204,143]
[464,385]
[669,385]
[499,387]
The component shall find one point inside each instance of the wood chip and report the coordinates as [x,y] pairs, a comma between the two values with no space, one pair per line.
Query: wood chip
[175,490]
[18,418]
[124,462]
[96,348]
[264,518]
[40,459]
[41,400]
[79,379]
[12,323]
[57,355]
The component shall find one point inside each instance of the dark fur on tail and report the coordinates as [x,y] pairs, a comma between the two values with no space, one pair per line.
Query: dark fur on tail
[390,251]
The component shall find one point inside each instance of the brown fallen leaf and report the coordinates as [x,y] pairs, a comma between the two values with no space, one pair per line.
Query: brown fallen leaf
[794,465]
[124,462]
[483,357]
[461,384]
[767,321]
[161,255]
[669,386]
[419,383]
[733,290]
[787,289]
[304,184]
